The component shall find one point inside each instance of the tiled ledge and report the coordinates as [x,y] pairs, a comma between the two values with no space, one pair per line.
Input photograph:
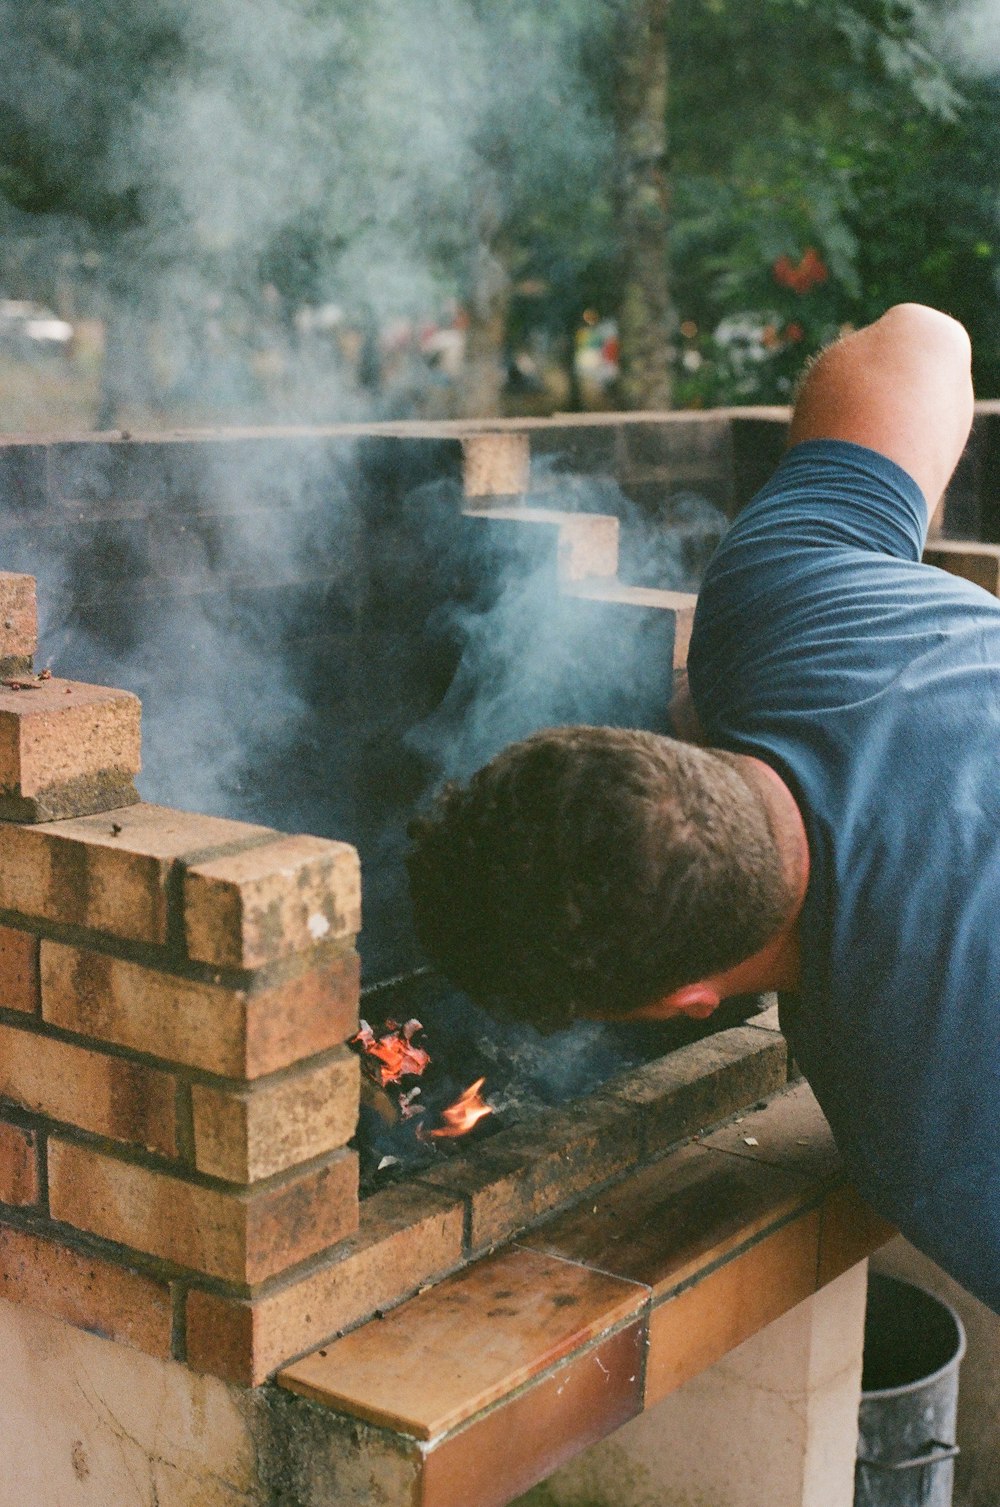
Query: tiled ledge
[417,1232]
[560,1338]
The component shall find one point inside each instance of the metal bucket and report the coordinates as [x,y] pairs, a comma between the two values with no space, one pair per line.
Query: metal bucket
[909,1397]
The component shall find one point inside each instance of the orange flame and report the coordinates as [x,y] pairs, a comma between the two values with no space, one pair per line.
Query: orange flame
[394,1051]
[467,1110]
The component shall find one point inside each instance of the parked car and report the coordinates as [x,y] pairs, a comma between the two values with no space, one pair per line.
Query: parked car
[30,329]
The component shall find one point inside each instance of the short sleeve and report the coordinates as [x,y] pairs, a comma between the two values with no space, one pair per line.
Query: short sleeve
[796,589]
[832,492]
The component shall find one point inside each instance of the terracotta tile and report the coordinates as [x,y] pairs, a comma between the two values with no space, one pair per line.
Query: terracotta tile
[791,1131]
[850,1231]
[693,1330]
[669,1221]
[450,1352]
[566,1411]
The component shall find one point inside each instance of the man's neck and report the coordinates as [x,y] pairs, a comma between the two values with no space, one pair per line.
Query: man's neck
[777,964]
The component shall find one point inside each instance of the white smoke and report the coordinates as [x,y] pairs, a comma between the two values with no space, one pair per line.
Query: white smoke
[970,35]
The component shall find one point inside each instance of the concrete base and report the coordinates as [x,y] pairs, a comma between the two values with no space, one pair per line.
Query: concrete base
[775,1421]
[89,1422]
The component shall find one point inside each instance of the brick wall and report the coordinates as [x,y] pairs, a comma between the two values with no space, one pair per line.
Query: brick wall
[176,1095]
[175,994]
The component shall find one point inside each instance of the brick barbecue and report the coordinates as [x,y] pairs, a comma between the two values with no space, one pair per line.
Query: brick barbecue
[177,1097]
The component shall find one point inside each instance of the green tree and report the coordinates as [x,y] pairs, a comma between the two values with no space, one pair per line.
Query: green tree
[851,169]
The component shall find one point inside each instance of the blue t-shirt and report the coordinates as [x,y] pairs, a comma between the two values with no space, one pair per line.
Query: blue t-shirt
[871,683]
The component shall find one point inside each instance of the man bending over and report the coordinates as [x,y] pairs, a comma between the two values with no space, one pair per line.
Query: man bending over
[838,839]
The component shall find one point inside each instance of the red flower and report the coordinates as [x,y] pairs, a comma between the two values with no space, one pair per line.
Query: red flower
[800,277]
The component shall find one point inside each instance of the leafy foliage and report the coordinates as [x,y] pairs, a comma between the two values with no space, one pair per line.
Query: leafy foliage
[845,137]
[380,153]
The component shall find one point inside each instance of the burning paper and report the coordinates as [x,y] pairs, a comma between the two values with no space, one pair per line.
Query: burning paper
[390,1055]
[395,1054]
[467,1110]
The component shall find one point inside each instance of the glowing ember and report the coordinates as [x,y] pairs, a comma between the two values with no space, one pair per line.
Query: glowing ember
[467,1110]
[394,1052]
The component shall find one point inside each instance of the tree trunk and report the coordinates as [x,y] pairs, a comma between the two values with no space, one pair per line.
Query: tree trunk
[483,374]
[645,314]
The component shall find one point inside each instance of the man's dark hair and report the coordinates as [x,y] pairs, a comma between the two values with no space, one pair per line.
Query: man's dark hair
[592,870]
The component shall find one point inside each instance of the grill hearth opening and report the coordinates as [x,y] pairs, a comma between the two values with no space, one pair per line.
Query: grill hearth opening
[521,1072]
[194,1164]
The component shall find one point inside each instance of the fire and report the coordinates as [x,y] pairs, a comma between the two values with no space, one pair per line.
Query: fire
[394,1051]
[467,1110]
[390,1056]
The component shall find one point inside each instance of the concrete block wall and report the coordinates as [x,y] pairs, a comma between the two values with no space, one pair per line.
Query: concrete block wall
[320,574]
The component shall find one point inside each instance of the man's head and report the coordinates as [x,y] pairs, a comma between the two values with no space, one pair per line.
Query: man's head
[593,871]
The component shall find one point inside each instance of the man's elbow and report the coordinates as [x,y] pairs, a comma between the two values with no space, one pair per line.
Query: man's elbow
[930,328]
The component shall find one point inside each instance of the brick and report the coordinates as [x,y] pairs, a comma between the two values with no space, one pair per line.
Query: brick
[236,1032]
[495,464]
[23,478]
[586,543]
[701,1084]
[84,1290]
[106,1095]
[19,978]
[407,1235]
[18,1166]
[18,617]
[66,749]
[759,437]
[108,873]
[670,442]
[247,1134]
[586,446]
[238,1235]
[255,907]
[526,1172]
[640,602]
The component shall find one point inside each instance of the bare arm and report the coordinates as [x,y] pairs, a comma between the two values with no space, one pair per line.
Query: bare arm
[684,723]
[902,386]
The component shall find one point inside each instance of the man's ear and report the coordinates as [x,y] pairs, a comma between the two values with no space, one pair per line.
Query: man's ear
[697,1001]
